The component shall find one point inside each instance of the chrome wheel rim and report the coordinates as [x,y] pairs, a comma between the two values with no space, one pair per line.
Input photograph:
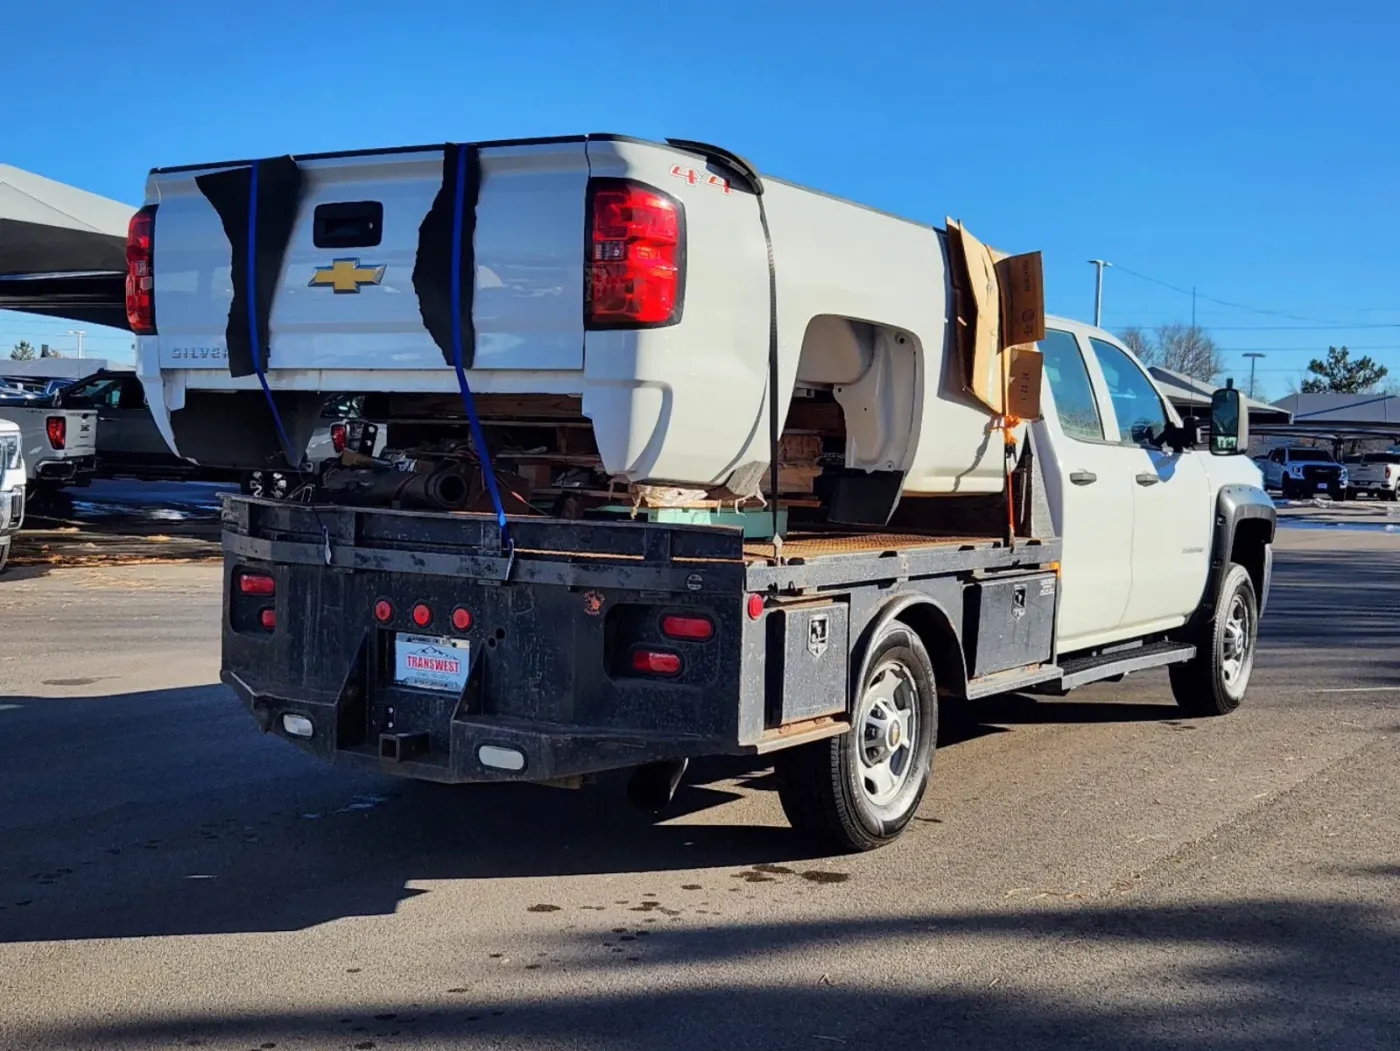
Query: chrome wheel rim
[888,727]
[1236,643]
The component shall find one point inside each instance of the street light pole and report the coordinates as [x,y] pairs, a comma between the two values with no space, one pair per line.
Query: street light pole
[1253,356]
[80,333]
[1099,264]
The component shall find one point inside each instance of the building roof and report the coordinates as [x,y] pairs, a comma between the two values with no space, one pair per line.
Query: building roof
[1182,389]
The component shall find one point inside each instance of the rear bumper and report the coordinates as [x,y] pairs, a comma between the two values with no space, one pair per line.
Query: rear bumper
[543,751]
[67,470]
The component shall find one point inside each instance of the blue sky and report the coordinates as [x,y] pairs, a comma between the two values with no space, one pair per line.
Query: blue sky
[1247,149]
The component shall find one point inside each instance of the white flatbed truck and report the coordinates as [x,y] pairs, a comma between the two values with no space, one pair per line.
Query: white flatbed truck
[606,314]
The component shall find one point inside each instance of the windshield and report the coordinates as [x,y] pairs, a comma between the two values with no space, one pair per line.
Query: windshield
[1309,455]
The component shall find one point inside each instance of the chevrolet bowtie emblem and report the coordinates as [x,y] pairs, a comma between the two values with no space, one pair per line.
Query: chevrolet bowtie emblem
[346,275]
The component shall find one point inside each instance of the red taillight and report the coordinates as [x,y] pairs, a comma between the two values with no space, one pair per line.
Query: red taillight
[755,606]
[255,584]
[655,662]
[677,627]
[422,615]
[635,255]
[461,619]
[57,428]
[140,272]
[383,611]
[338,437]
[268,619]
[1388,469]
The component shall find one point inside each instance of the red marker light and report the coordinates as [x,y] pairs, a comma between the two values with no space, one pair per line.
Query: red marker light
[755,606]
[268,619]
[676,626]
[255,584]
[461,619]
[655,662]
[383,612]
[422,615]
[338,437]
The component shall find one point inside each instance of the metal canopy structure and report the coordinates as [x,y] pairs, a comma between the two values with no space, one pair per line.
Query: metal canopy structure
[1192,396]
[62,250]
[1337,418]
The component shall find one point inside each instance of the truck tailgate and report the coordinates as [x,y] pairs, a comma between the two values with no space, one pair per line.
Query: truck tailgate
[345,293]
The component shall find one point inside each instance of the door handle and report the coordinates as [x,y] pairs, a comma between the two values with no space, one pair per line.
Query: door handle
[1147,478]
[1083,477]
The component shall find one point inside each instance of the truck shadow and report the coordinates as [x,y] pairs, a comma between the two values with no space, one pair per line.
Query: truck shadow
[164,812]
[1261,974]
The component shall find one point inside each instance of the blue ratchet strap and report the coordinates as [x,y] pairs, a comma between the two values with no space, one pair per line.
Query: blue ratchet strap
[478,439]
[251,295]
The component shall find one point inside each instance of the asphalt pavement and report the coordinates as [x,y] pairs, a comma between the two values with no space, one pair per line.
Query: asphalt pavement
[1092,872]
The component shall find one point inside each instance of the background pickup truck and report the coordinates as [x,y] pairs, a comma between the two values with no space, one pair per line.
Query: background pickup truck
[59,445]
[1374,473]
[1296,472]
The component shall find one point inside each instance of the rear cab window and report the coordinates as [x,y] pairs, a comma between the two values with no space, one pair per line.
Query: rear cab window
[1070,386]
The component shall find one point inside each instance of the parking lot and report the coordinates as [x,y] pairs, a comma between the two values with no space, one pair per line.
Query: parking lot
[1085,872]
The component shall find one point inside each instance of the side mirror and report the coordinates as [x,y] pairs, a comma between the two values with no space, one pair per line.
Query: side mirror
[1229,423]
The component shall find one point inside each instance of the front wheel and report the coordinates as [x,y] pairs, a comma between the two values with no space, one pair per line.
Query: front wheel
[859,790]
[1214,681]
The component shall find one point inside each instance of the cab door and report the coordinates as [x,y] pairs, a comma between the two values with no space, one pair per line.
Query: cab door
[1091,499]
[1171,497]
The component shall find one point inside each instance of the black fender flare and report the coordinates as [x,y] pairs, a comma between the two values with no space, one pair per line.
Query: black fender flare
[1234,505]
[896,608]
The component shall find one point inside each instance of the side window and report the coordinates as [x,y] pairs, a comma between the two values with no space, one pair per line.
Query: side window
[1276,456]
[1069,384]
[1136,403]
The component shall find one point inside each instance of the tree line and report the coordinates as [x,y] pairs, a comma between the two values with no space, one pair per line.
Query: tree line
[1190,350]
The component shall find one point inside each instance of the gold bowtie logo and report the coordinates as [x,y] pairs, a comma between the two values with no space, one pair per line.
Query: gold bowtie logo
[346,275]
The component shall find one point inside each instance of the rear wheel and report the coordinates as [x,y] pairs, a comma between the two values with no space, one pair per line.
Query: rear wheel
[1214,681]
[858,791]
[4,554]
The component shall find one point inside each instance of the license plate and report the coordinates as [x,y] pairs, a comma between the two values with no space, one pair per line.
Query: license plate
[431,663]
[1322,485]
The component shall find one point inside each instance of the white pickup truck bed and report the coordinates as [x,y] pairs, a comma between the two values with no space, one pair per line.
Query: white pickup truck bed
[351,262]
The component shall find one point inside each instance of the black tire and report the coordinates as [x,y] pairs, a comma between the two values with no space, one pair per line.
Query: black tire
[831,790]
[1285,490]
[1215,680]
[4,554]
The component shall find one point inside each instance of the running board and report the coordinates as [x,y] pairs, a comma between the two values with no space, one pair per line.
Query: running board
[1080,671]
[1011,681]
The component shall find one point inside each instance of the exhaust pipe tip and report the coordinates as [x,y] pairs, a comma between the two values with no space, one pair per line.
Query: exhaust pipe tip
[653,786]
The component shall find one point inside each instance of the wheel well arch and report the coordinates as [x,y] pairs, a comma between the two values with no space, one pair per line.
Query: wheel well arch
[927,618]
[1249,548]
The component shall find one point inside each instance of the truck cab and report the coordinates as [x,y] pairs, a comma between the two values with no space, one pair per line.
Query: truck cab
[1135,512]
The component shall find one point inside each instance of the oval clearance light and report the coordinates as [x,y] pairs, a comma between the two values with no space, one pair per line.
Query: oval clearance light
[383,611]
[268,619]
[255,584]
[422,615]
[755,606]
[298,725]
[675,626]
[501,758]
[461,619]
[656,662]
